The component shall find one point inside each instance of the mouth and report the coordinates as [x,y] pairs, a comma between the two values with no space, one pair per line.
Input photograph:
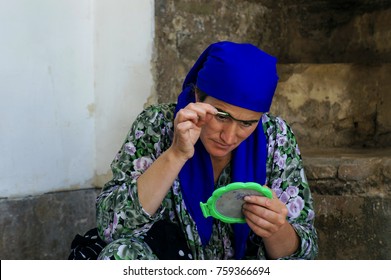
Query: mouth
[222,145]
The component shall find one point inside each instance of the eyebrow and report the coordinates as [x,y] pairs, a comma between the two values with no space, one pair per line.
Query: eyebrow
[226,114]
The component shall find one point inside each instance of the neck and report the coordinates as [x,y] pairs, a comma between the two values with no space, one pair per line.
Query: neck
[218,164]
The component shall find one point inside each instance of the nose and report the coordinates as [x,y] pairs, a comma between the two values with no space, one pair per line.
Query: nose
[228,134]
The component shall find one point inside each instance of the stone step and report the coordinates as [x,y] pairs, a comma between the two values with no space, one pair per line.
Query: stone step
[352,201]
[341,171]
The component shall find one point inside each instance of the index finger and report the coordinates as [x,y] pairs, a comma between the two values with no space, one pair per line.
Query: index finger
[259,200]
[202,110]
[273,203]
[207,107]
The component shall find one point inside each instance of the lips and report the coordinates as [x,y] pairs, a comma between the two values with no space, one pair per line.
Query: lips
[221,145]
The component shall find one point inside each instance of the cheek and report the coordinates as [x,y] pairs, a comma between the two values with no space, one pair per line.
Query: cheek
[247,133]
[208,130]
[244,134]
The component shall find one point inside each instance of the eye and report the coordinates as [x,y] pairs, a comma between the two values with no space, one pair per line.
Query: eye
[221,117]
[246,124]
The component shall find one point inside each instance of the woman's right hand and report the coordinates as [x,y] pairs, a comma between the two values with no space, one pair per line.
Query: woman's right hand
[188,124]
[157,179]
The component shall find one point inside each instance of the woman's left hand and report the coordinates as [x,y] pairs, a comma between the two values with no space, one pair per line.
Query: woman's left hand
[265,216]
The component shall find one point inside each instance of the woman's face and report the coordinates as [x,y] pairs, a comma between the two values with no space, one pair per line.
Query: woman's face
[223,133]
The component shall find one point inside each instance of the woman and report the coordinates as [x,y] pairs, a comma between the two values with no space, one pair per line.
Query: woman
[176,155]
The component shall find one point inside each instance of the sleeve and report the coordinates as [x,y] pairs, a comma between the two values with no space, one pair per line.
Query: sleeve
[287,178]
[118,210]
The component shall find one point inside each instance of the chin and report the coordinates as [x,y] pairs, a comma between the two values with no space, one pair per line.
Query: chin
[218,152]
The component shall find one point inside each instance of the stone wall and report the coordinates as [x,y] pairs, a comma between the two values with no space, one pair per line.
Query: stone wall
[43,227]
[301,31]
[352,194]
[336,105]
[334,67]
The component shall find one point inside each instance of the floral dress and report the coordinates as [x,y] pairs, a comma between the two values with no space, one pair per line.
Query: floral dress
[123,223]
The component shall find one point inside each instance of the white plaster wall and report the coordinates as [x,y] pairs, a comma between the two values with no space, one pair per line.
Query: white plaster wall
[72,74]
[124,34]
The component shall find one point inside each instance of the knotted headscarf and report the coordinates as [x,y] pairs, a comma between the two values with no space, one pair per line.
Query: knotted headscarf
[244,76]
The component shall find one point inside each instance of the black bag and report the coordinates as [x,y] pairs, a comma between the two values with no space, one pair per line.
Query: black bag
[168,242]
[87,247]
[165,239]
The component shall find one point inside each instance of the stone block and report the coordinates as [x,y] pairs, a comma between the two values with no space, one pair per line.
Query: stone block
[43,227]
[386,170]
[320,169]
[353,228]
[359,169]
[335,105]
[329,31]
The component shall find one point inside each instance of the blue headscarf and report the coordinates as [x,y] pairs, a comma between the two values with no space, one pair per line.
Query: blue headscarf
[244,76]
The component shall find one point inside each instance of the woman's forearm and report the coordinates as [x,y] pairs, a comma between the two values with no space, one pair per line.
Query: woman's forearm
[154,184]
